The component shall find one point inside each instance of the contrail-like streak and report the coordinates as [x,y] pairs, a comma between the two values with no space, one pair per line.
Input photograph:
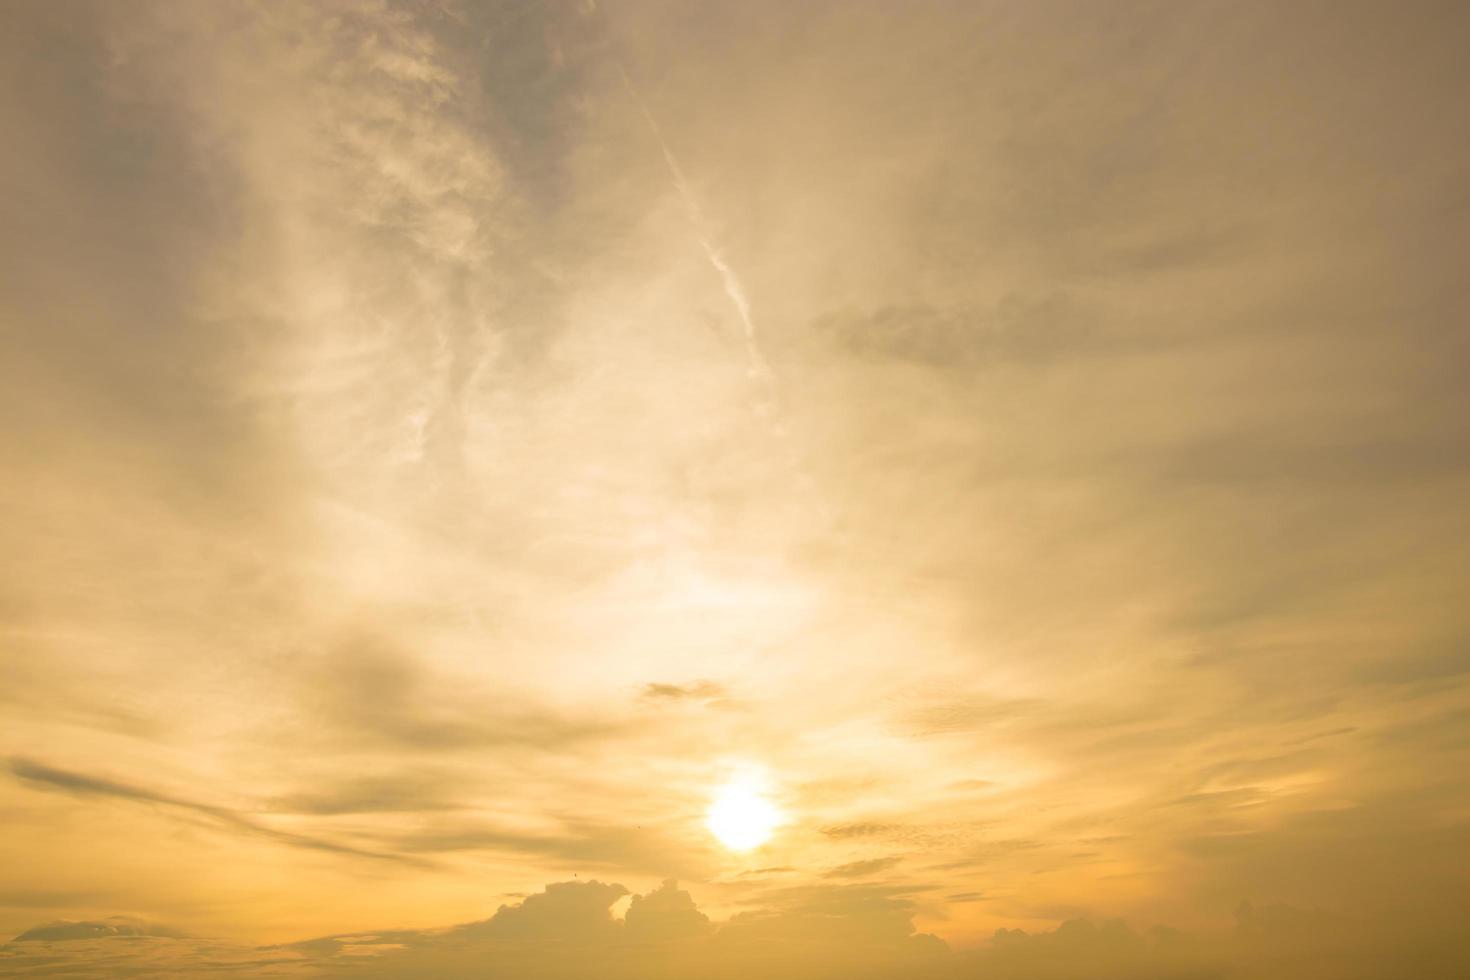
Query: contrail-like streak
[767,401]
[759,369]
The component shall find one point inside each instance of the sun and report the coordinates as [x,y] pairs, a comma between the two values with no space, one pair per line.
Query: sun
[741,815]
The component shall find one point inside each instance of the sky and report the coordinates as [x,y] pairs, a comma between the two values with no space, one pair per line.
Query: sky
[447,447]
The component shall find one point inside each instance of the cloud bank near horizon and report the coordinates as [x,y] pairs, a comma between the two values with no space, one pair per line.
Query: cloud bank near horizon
[568,931]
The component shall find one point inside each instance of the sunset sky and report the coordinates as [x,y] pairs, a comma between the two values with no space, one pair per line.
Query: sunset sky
[1016,455]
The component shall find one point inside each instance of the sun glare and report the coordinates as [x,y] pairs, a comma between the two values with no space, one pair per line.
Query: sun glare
[742,816]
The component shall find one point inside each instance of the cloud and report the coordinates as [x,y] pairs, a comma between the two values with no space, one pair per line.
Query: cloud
[66,930]
[379,450]
[371,690]
[703,690]
[1019,329]
[81,784]
[567,932]
[858,869]
[664,914]
[403,792]
[567,911]
[846,830]
[572,843]
[1080,948]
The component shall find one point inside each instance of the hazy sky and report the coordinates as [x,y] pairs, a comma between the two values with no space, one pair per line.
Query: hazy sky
[444,443]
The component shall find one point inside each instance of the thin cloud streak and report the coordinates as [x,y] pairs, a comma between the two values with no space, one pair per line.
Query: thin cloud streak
[81,784]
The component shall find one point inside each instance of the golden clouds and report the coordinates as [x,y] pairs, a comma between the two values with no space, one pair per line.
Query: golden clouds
[399,517]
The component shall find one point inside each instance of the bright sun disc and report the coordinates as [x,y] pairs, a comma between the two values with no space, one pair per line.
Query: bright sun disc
[741,816]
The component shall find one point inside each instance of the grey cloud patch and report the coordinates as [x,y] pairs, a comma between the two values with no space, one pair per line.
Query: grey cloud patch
[66,930]
[375,691]
[972,785]
[965,897]
[1025,329]
[702,690]
[761,872]
[126,201]
[405,792]
[575,843]
[1439,664]
[535,88]
[116,957]
[95,786]
[842,831]
[859,869]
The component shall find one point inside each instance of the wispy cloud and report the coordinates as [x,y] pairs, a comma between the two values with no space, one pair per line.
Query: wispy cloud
[85,785]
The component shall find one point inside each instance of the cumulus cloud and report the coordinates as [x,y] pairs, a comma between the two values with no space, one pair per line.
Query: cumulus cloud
[567,911]
[567,930]
[666,913]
